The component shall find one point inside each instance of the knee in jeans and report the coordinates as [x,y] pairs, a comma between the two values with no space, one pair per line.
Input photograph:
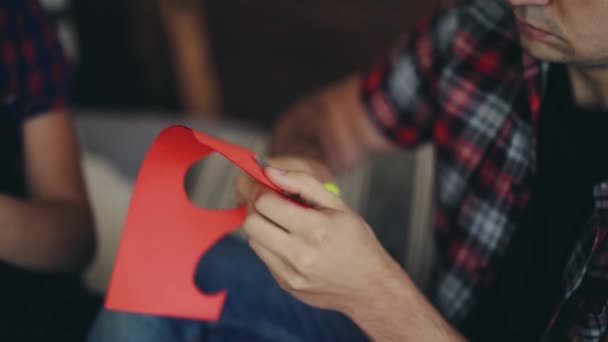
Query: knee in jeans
[123,325]
[126,327]
[224,264]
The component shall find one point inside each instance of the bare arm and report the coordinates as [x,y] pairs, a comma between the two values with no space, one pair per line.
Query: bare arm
[331,127]
[52,229]
[398,311]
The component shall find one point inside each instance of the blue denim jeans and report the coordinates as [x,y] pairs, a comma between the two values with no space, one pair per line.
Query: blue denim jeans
[256,309]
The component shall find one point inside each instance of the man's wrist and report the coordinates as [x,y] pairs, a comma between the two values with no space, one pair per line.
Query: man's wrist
[388,288]
[395,310]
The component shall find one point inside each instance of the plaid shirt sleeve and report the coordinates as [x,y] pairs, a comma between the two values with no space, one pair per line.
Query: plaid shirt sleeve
[42,73]
[401,93]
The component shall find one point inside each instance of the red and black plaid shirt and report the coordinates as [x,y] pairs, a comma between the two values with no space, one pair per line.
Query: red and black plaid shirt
[463,82]
[33,71]
[33,80]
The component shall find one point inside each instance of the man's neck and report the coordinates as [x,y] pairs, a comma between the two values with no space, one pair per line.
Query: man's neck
[590,86]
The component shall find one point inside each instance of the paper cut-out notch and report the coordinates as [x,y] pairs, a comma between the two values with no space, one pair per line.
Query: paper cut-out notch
[165,235]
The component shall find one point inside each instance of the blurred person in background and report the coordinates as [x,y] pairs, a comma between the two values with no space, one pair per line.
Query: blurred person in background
[46,230]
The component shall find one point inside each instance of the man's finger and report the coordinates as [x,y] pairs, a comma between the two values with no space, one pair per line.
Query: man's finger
[304,187]
[283,272]
[268,234]
[285,213]
[243,186]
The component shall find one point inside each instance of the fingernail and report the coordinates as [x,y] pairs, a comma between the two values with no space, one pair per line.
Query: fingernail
[276,172]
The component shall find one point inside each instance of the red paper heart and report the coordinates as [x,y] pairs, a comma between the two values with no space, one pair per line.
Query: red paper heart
[165,235]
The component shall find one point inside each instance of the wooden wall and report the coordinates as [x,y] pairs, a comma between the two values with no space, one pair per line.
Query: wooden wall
[268,52]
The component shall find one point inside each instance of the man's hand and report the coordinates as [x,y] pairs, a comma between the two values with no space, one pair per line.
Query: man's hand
[328,257]
[325,254]
[247,190]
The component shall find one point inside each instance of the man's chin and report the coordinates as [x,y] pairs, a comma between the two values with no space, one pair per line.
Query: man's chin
[542,51]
